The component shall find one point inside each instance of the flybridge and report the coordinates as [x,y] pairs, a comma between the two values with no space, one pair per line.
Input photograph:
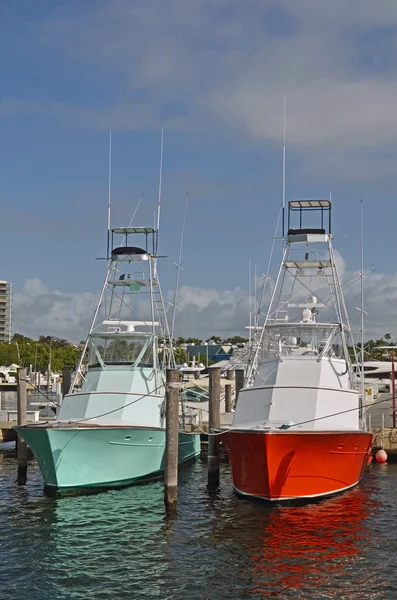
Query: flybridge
[307,281]
[131,287]
[298,213]
[150,239]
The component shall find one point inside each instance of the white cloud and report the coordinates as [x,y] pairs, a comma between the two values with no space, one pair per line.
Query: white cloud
[37,310]
[233,61]
[209,311]
[223,66]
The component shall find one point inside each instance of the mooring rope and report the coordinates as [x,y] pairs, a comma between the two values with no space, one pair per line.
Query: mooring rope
[41,393]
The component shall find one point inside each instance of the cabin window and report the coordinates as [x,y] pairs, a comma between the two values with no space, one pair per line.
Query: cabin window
[302,341]
[118,350]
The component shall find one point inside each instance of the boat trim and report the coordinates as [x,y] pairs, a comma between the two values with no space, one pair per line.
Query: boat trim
[297,387]
[84,425]
[123,443]
[286,498]
[274,431]
[350,453]
[148,395]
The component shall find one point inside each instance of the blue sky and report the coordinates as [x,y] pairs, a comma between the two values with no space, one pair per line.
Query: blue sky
[212,73]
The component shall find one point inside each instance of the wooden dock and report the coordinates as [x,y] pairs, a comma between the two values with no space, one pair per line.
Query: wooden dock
[380,422]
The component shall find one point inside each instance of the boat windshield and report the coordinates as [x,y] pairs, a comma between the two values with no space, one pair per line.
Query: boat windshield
[119,349]
[303,341]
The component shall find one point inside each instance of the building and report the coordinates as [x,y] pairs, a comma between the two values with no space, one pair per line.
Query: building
[5,311]
[204,352]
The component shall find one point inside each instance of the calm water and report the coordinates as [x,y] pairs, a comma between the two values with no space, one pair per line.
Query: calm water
[118,544]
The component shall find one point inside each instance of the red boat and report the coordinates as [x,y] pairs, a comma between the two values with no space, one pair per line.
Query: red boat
[299,425]
[288,465]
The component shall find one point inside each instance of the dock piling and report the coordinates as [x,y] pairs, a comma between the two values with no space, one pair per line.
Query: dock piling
[66,381]
[383,430]
[22,403]
[214,418]
[239,383]
[228,391]
[171,440]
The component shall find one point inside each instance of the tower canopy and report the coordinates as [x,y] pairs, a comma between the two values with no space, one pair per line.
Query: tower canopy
[309,218]
[148,234]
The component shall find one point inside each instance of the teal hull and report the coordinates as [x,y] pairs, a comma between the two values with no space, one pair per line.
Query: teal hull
[102,457]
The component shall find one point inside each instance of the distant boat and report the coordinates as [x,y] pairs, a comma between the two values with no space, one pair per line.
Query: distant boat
[298,431]
[378,372]
[111,431]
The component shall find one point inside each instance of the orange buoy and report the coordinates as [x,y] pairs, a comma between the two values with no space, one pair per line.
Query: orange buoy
[381,456]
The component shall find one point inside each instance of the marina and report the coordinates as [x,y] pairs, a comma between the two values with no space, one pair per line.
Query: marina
[292,407]
[198,301]
[196,491]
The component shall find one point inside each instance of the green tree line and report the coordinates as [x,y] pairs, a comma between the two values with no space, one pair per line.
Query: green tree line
[25,351]
[374,349]
[236,339]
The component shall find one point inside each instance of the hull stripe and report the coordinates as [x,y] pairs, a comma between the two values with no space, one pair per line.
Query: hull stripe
[281,498]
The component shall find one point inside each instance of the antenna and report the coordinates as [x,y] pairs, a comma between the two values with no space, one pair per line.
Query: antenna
[160,185]
[136,209]
[178,267]
[110,192]
[250,299]
[283,197]
[362,302]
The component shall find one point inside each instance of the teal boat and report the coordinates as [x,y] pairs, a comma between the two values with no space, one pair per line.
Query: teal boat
[110,429]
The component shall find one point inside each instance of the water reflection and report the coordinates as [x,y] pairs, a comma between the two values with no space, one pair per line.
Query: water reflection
[119,544]
[316,547]
[100,546]
[330,549]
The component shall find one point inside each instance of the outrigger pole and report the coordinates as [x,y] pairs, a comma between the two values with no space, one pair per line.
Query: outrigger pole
[283,195]
[160,186]
[109,194]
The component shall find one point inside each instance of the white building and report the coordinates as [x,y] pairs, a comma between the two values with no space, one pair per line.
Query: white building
[5,311]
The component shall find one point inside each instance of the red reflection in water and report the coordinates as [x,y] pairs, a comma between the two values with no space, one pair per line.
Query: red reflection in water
[315,545]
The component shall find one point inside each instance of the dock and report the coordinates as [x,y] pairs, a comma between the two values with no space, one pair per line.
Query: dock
[380,423]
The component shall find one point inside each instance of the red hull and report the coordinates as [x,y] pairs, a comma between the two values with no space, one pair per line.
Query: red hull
[289,465]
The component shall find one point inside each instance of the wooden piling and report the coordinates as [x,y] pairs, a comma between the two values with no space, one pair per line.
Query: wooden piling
[239,383]
[228,391]
[66,380]
[171,440]
[22,403]
[214,418]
